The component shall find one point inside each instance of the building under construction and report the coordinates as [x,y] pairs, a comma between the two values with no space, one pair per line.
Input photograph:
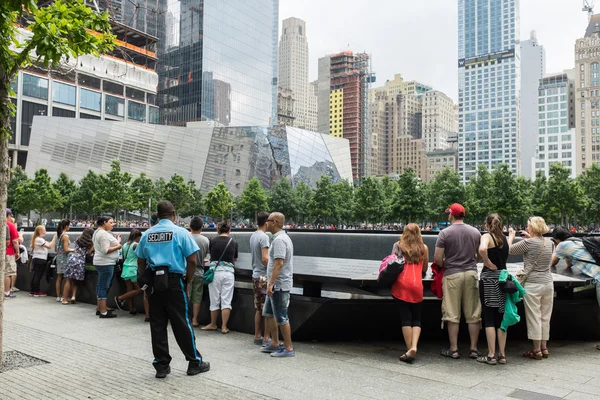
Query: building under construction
[350,81]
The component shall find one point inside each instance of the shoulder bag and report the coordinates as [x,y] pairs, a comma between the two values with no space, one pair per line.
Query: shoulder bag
[391,267]
[209,275]
[521,275]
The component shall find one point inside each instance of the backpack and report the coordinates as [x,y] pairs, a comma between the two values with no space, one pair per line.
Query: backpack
[592,245]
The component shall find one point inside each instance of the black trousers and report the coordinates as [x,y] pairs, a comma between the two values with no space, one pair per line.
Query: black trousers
[39,267]
[171,305]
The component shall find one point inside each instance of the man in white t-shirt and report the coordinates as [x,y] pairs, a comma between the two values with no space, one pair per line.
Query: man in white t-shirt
[259,248]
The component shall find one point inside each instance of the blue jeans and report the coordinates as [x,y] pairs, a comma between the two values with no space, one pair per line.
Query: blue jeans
[105,275]
[276,306]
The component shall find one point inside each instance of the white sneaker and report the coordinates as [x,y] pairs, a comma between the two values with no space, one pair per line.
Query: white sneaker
[58,299]
[15,289]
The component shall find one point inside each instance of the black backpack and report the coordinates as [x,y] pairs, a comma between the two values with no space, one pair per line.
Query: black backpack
[592,245]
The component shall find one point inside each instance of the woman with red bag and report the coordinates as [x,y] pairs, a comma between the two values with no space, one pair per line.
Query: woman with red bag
[407,291]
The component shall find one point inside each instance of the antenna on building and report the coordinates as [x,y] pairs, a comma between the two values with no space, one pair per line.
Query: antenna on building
[588,7]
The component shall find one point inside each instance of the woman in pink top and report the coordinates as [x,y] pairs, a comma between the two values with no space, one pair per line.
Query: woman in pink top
[407,291]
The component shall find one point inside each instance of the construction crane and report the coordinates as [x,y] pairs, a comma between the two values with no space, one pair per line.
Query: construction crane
[588,7]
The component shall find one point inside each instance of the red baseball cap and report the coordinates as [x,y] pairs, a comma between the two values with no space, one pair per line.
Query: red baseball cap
[456,210]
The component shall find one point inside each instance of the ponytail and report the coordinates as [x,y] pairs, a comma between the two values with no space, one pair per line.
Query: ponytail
[494,226]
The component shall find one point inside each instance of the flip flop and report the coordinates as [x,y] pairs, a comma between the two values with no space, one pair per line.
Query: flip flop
[450,354]
[206,328]
[224,331]
[406,358]
[195,325]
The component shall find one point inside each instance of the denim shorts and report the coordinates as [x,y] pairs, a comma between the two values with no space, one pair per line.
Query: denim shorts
[276,306]
[105,275]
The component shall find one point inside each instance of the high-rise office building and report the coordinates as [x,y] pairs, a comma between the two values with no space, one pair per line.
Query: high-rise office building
[293,71]
[533,68]
[556,142]
[440,120]
[344,83]
[489,84]
[587,95]
[217,61]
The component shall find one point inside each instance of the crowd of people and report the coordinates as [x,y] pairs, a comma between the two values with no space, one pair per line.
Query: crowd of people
[169,267]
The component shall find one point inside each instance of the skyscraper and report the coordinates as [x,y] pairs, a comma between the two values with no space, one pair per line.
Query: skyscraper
[533,68]
[217,61]
[587,95]
[489,83]
[293,71]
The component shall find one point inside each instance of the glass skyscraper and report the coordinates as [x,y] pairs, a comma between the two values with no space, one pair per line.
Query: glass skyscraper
[217,59]
[489,82]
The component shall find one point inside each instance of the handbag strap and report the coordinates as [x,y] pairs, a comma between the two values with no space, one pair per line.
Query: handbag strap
[224,250]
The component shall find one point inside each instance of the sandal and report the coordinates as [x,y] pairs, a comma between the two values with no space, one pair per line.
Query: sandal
[533,355]
[208,328]
[65,302]
[502,360]
[598,347]
[450,354]
[406,358]
[545,353]
[225,331]
[487,360]
[474,354]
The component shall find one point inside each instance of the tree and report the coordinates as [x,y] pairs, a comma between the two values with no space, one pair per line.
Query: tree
[159,191]
[539,195]
[303,194]
[142,190]
[178,193]
[87,196]
[196,204]
[219,201]
[389,188]
[253,199]
[66,187]
[505,193]
[409,199]
[589,183]
[18,178]
[561,194]
[39,194]
[321,206]
[343,202]
[369,200]
[116,195]
[478,199]
[63,29]
[443,190]
[284,199]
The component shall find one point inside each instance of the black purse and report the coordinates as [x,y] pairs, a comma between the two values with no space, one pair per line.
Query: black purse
[508,287]
[390,273]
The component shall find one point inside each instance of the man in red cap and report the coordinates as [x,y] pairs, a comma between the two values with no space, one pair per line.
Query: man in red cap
[456,251]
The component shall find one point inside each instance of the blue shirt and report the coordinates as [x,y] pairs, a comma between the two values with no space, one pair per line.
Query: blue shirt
[166,244]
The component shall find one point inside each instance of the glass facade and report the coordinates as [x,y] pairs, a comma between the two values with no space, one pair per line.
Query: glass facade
[90,100]
[205,154]
[63,93]
[34,86]
[489,85]
[136,111]
[114,105]
[218,61]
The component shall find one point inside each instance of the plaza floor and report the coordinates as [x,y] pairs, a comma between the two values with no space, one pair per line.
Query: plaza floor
[89,358]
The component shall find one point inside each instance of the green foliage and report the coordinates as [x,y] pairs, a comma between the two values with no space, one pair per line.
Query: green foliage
[178,193]
[343,201]
[219,201]
[478,196]
[303,195]
[562,194]
[409,199]
[116,195]
[444,189]
[506,199]
[253,199]
[66,187]
[88,195]
[389,188]
[142,189]
[284,199]
[40,194]
[18,178]
[539,195]
[196,205]
[322,206]
[589,184]
[368,201]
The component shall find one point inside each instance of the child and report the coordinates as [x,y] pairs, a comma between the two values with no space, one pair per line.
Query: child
[129,274]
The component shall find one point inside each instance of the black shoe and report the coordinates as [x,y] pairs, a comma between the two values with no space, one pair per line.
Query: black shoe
[108,314]
[108,310]
[120,304]
[197,369]
[163,374]
[134,312]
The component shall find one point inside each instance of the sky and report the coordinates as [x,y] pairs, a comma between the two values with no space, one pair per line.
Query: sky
[419,38]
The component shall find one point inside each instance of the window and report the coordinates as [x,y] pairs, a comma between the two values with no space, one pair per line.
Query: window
[61,112]
[89,81]
[28,111]
[90,100]
[114,105]
[153,115]
[136,111]
[34,86]
[111,87]
[88,116]
[14,84]
[63,93]
[135,94]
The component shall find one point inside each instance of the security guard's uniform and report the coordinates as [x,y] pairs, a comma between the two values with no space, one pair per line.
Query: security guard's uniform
[165,248]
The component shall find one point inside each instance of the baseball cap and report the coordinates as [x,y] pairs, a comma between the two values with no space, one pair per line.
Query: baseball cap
[9,212]
[456,210]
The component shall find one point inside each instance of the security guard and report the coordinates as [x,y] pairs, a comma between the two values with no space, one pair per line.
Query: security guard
[164,249]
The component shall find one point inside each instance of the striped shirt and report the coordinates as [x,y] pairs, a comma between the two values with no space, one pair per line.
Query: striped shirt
[537,257]
[581,259]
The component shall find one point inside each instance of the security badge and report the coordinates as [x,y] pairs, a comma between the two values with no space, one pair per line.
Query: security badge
[160,237]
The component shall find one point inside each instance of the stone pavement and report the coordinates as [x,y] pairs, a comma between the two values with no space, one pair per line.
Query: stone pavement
[91,358]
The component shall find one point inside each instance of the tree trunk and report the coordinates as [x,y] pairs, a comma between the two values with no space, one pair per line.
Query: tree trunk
[3,199]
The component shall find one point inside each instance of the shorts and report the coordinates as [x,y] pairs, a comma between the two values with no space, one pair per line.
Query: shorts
[220,290]
[10,268]
[61,263]
[276,306]
[259,289]
[197,290]
[410,313]
[461,293]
